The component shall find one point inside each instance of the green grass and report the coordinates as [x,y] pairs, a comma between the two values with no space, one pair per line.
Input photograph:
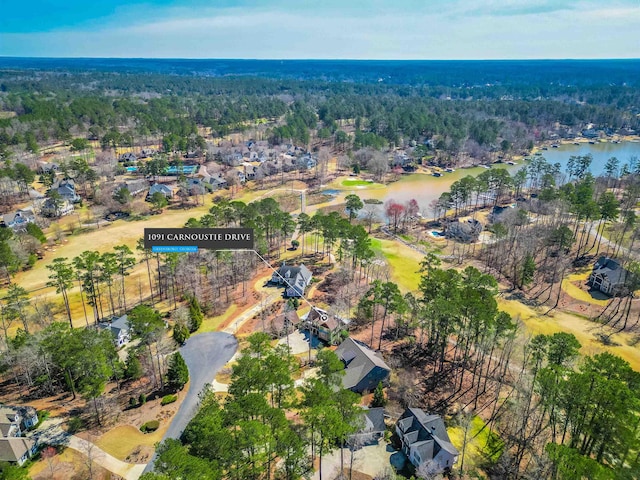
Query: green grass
[404,262]
[357,183]
[483,446]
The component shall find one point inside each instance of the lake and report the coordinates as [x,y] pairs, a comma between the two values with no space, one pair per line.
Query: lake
[425,188]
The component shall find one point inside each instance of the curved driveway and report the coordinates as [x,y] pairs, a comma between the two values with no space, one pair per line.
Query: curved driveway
[205,354]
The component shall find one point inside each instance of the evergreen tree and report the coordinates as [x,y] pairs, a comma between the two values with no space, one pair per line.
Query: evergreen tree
[178,374]
[379,399]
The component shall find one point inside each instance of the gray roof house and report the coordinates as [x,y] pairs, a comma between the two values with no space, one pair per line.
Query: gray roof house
[364,368]
[46,167]
[373,426]
[50,209]
[215,182]
[17,449]
[18,220]
[67,190]
[13,447]
[425,439]
[135,187]
[165,190]
[608,276]
[128,157]
[295,278]
[119,328]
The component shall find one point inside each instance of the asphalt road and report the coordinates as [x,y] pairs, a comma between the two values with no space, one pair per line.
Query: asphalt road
[205,354]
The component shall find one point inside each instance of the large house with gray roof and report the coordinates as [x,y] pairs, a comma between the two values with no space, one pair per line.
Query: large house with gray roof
[18,220]
[608,276]
[424,438]
[120,330]
[364,368]
[295,279]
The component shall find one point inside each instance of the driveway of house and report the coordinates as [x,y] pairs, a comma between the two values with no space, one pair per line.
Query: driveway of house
[369,460]
[205,354]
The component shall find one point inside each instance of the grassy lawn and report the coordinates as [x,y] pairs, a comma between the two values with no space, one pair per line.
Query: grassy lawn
[568,285]
[482,445]
[404,262]
[121,441]
[583,329]
[212,324]
[358,183]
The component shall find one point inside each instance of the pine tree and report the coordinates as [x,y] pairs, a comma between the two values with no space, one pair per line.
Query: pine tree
[378,397]
[195,315]
[178,374]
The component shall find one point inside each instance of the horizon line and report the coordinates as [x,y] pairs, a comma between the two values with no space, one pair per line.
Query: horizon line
[3,57]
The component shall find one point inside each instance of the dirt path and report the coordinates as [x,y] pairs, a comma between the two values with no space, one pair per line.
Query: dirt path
[51,433]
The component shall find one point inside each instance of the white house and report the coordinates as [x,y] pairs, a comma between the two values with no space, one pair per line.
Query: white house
[15,448]
[120,330]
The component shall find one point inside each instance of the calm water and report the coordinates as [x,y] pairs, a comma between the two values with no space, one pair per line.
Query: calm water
[601,152]
[426,188]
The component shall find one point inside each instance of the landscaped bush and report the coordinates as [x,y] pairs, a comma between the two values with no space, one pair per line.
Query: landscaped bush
[167,399]
[150,426]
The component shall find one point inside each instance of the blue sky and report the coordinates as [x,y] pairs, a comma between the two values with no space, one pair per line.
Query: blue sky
[367,29]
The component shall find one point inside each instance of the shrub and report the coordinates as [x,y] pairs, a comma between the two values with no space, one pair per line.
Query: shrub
[167,399]
[133,401]
[150,426]
[75,424]
[142,399]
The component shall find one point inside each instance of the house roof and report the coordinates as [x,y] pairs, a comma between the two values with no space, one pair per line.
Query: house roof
[359,361]
[295,273]
[278,322]
[610,269]
[27,215]
[418,427]
[374,420]
[13,449]
[159,187]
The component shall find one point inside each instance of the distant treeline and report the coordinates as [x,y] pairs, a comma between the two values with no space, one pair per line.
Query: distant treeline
[504,105]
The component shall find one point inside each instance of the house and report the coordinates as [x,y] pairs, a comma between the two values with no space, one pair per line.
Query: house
[364,368]
[18,220]
[46,167]
[67,190]
[589,133]
[128,157]
[326,327]
[17,449]
[119,328]
[215,182]
[307,161]
[373,426]
[50,209]
[608,276]
[135,187]
[146,152]
[165,190]
[424,438]
[295,278]
[284,324]
[13,447]
[466,232]
[239,172]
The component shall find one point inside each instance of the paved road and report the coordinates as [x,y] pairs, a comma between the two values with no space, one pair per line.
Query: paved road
[205,354]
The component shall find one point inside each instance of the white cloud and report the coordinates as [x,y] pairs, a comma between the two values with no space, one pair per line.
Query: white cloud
[451,32]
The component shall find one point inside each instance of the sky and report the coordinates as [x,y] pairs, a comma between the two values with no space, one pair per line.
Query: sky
[321,29]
